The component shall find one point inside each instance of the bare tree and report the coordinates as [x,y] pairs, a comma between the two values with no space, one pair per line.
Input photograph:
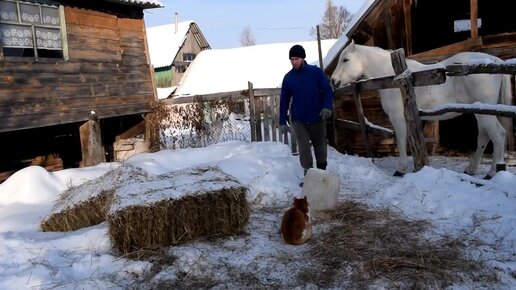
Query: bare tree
[334,21]
[247,37]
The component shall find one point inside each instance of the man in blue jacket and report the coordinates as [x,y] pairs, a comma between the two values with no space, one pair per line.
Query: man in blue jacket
[307,91]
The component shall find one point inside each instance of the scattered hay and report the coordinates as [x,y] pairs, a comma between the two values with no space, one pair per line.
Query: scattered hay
[380,247]
[176,208]
[88,204]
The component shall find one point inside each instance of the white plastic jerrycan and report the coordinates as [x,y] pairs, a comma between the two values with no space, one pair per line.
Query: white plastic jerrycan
[322,188]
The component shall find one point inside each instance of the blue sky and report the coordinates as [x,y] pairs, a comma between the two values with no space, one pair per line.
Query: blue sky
[271,21]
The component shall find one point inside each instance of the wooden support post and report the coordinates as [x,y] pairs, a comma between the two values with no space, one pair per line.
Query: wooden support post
[91,142]
[361,120]
[252,117]
[415,136]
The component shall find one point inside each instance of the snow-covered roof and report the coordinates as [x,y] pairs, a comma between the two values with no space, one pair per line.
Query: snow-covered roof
[164,42]
[226,70]
[343,39]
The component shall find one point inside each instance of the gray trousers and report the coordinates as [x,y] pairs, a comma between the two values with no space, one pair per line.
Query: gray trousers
[307,135]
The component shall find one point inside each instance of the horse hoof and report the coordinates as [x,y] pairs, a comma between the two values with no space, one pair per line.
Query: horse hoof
[398,174]
[487,177]
[470,174]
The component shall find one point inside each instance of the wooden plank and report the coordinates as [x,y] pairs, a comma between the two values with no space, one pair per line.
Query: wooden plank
[275,118]
[135,24]
[473,18]
[414,126]
[89,31]
[421,78]
[266,118]
[376,130]
[488,68]
[86,17]
[93,43]
[234,95]
[252,117]
[133,131]
[483,109]
[258,117]
[79,54]
[36,120]
[408,25]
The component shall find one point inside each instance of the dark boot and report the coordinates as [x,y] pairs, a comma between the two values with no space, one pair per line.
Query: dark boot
[305,170]
[322,165]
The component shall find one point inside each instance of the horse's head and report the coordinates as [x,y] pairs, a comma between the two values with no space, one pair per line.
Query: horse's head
[349,68]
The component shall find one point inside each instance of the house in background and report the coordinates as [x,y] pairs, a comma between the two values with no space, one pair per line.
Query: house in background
[172,47]
[226,70]
[65,65]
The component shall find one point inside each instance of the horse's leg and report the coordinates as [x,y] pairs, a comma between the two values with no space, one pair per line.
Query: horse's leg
[482,140]
[489,128]
[392,104]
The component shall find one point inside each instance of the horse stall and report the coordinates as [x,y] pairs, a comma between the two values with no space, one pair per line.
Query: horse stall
[81,82]
[462,25]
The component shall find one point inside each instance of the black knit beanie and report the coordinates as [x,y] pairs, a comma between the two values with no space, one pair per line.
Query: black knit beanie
[297,51]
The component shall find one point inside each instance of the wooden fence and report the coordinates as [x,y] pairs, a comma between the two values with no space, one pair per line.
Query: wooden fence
[412,113]
[263,112]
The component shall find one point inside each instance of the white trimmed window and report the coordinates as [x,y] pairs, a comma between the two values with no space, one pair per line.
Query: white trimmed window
[30,29]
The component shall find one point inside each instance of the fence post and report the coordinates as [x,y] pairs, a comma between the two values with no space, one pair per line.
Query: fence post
[252,117]
[414,127]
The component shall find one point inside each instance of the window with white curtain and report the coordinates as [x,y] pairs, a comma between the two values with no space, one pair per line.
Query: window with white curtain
[30,29]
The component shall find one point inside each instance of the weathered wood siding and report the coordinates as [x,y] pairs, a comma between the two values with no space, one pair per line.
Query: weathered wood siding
[107,72]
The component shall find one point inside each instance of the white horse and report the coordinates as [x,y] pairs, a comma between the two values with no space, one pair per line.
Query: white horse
[359,62]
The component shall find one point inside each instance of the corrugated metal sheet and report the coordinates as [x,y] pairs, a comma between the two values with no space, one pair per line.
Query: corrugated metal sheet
[139,3]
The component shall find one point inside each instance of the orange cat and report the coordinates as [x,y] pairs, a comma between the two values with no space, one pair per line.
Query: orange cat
[296,228]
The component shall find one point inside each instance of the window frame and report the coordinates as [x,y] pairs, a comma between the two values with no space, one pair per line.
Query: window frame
[62,31]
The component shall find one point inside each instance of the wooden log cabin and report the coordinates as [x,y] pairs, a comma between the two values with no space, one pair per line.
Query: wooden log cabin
[428,31]
[62,64]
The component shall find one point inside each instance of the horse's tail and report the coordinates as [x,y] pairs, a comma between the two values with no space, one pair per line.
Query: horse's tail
[506,99]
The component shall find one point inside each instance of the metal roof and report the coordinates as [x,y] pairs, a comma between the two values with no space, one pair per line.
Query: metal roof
[139,3]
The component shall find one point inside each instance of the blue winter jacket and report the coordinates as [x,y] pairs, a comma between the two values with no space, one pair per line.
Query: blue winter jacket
[310,92]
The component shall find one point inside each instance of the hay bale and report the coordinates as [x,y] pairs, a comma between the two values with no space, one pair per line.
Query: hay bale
[177,207]
[88,204]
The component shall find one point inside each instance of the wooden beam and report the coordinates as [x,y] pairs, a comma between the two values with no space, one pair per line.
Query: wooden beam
[132,132]
[233,95]
[489,68]
[91,142]
[474,18]
[376,130]
[422,78]
[483,109]
[408,25]
[415,136]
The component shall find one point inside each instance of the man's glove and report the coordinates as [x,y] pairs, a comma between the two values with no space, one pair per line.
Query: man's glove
[284,129]
[325,114]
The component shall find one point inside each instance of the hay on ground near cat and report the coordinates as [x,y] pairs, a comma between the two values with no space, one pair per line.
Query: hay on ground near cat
[88,203]
[177,207]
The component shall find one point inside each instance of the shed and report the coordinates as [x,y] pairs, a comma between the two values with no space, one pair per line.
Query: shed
[428,31]
[63,63]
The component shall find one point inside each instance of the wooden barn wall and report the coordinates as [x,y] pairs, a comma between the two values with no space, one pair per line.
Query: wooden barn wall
[107,72]
[351,141]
